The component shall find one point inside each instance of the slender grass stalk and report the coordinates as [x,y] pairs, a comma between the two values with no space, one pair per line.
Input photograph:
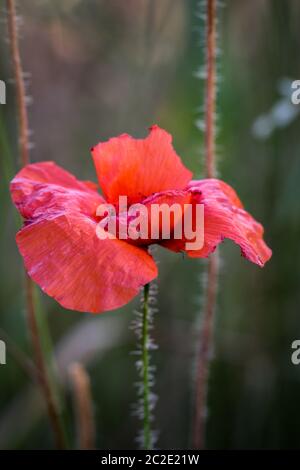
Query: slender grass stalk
[145,358]
[210,104]
[143,325]
[206,335]
[83,406]
[43,376]
[20,85]
[204,351]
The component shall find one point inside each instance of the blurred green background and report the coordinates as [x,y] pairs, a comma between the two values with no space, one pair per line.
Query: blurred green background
[100,68]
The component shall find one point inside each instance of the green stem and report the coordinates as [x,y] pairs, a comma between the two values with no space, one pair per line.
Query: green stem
[145,359]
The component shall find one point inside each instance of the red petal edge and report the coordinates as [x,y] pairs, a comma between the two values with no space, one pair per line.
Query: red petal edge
[224,217]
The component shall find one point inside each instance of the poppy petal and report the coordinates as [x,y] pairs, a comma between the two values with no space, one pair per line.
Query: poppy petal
[165,218]
[42,189]
[139,167]
[64,256]
[224,217]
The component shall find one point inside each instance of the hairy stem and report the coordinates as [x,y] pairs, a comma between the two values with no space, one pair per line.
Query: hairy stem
[145,371]
[206,339]
[43,377]
[20,85]
[206,335]
[142,325]
[210,93]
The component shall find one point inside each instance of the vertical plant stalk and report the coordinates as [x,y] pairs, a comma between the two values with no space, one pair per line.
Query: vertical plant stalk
[210,93]
[206,339]
[143,325]
[145,371]
[206,335]
[43,377]
[83,406]
[20,85]
[32,322]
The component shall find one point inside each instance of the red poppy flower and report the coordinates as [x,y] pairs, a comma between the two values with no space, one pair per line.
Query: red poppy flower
[58,241]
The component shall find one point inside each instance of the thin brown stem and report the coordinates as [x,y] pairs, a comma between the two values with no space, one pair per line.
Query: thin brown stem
[210,105]
[83,406]
[20,85]
[43,377]
[204,352]
[206,335]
